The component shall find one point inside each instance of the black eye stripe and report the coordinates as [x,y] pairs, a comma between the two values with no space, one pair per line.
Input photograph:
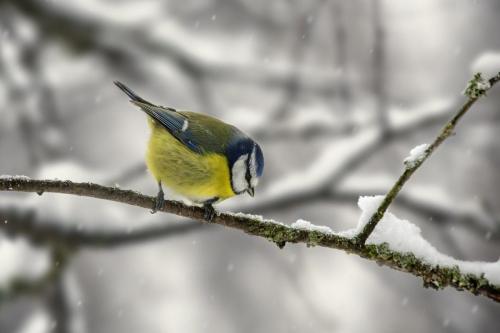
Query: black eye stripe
[248,176]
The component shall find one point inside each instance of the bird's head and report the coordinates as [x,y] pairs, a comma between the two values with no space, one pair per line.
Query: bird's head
[246,165]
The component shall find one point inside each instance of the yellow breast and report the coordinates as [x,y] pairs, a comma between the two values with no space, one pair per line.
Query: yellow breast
[198,177]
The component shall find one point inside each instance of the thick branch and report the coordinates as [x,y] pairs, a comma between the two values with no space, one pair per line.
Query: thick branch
[410,169]
[27,223]
[437,277]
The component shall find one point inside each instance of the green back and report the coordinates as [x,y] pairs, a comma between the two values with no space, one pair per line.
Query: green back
[200,133]
[211,134]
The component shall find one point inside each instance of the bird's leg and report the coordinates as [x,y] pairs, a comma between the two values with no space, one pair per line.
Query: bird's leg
[209,210]
[160,200]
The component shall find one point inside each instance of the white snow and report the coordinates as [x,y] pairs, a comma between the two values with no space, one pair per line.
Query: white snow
[404,237]
[19,177]
[305,225]
[427,195]
[259,218]
[488,64]
[417,154]
[368,207]
[68,169]
[483,85]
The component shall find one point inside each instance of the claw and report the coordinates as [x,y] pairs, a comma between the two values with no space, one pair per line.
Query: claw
[281,244]
[160,200]
[209,212]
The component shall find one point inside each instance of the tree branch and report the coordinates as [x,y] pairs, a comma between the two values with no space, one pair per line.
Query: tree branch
[26,223]
[85,32]
[473,222]
[476,88]
[433,276]
[22,286]
[358,154]
[436,277]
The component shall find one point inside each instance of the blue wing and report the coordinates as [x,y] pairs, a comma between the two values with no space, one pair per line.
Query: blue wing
[174,122]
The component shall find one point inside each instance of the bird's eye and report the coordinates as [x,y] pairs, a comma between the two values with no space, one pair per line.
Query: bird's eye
[248,176]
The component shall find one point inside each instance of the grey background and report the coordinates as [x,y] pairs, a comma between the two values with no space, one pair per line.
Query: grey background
[299,76]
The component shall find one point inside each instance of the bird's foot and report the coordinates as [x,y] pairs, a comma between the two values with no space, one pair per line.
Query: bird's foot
[209,212]
[159,201]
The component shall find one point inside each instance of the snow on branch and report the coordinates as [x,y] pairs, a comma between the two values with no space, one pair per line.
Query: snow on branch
[395,243]
[473,279]
[487,64]
[476,88]
[426,200]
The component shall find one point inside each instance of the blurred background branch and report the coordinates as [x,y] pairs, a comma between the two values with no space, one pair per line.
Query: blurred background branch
[20,222]
[333,92]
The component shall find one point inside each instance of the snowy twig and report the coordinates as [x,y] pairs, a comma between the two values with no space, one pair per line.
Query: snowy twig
[433,276]
[475,89]
[441,215]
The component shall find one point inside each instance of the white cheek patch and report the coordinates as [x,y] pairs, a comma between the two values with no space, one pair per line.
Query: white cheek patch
[238,173]
[254,180]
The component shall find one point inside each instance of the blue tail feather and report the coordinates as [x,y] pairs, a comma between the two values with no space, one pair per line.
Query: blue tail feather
[131,94]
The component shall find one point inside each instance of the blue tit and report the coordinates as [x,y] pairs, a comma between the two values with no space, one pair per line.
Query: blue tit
[197,156]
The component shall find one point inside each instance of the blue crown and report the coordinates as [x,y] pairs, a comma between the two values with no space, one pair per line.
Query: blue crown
[242,146]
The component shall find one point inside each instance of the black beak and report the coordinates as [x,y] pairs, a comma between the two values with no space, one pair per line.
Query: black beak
[251,191]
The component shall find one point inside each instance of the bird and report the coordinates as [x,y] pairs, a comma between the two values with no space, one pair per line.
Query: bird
[197,156]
